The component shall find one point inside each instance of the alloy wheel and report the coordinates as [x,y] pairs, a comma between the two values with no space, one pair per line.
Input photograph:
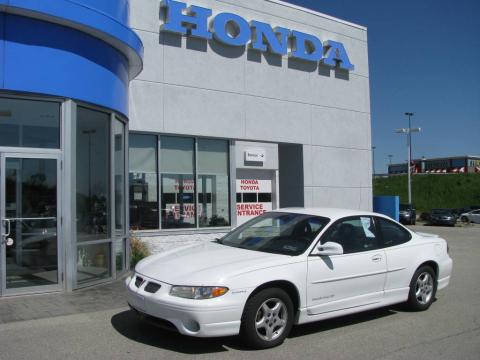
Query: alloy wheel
[424,288]
[271,319]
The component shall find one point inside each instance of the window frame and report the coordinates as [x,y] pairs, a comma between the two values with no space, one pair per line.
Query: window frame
[329,229]
[158,186]
[61,119]
[378,227]
[112,239]
[45,98]
[197,228]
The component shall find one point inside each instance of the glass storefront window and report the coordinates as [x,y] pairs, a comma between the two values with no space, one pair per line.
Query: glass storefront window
[29,123]
[213,183]
[143,182]
[93,262]
[32,180]
[177,164]
[119,176]
[120,252]
[93,184]
[31,210]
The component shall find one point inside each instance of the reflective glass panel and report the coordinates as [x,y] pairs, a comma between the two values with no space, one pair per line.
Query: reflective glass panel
[29,123]
[119,176]
[120,251]
[93,181]
[143,182]
[93,262]
[31,222]
[213,183]
[177,182]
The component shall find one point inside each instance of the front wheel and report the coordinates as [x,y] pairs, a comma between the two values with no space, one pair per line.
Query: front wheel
[464,219]
[267,319]
[423,287]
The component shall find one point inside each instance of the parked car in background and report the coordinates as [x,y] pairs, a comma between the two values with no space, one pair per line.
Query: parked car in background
[442,217]
[471,216]
[288,267]
[408,214]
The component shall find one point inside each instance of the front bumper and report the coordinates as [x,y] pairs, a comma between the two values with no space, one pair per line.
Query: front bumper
[201,318]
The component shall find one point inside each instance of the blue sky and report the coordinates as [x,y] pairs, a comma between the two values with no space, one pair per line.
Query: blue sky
[424,58]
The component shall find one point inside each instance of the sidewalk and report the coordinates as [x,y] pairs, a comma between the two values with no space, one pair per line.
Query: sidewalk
[30,307]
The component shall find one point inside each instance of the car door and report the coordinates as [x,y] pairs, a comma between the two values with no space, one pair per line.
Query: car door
[355,278]
[475,216]
[395,241]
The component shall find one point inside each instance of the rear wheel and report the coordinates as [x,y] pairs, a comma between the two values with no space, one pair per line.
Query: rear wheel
[267,319]
[423,287]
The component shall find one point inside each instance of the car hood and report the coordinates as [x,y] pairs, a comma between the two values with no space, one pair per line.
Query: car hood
[206,264]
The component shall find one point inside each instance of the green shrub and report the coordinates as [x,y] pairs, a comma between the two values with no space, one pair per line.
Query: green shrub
[433,191]
[138,251]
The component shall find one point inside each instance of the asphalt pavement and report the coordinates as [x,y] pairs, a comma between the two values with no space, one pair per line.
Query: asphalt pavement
[450,329]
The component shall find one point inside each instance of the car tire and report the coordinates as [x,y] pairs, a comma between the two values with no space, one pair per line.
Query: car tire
[423,288]
[464,219]
[267,319]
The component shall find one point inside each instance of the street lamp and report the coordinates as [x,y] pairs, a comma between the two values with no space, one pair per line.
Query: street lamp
[390,159]
[408,131]
[410,114]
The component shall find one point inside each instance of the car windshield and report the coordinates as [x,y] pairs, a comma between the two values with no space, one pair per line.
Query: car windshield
[404,207]
[277,232]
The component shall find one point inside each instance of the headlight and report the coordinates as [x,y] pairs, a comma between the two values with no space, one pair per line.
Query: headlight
[198,292]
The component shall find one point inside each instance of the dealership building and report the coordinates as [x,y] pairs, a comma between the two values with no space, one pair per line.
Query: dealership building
[446,165]
[173,121]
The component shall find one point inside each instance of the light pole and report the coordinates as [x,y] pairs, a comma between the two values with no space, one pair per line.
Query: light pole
[408,131]
[390,159]
[409,114]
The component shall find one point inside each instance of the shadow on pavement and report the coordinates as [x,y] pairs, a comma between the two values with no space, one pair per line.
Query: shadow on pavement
[131,326]
[347,320]
[128,324]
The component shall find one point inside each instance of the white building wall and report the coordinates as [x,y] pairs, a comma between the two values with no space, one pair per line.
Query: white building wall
[194,87]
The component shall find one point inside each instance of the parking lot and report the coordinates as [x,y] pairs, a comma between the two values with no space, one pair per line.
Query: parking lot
[449,329]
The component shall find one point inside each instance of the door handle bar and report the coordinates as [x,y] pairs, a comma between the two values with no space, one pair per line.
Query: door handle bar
[7,226]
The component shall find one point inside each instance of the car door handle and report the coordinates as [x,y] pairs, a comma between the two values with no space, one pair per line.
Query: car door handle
[377,258]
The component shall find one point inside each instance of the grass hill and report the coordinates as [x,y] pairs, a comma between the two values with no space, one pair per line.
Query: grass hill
[433,191]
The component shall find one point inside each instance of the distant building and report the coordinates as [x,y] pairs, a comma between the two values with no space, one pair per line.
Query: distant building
[455,165]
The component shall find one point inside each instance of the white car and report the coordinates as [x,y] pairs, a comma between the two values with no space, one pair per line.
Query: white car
[471,216]
[287,267]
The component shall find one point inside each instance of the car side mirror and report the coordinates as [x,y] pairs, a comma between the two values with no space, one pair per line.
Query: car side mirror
[329,248]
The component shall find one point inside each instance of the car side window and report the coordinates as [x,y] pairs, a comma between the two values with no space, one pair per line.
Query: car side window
[392,233]
[355,234]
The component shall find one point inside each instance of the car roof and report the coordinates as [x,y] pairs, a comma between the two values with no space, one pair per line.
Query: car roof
[332,213]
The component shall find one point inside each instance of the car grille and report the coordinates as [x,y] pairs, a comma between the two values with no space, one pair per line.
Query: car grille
[152,287]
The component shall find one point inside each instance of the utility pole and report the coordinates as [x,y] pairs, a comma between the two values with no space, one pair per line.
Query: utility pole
[408,131]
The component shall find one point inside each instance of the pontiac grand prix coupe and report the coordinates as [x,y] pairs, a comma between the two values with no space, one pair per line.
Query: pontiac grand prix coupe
[287,267]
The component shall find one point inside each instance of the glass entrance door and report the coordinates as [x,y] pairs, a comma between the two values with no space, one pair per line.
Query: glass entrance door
[30,253]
